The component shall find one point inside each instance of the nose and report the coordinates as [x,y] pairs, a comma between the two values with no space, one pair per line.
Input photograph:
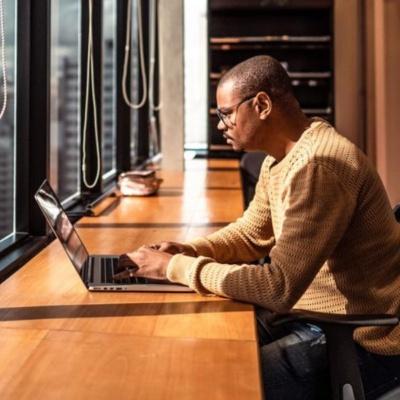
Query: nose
[221,126]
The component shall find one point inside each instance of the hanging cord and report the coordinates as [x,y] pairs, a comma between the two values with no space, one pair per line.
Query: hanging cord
[90,85]
[3,59]
[153,24]
[126,59]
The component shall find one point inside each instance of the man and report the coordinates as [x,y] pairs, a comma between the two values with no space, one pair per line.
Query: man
[321,215]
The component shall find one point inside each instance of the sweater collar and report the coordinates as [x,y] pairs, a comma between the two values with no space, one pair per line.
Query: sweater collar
[277,166]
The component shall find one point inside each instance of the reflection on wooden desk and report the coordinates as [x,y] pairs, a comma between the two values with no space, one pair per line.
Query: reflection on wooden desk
[81,365]
[60,341]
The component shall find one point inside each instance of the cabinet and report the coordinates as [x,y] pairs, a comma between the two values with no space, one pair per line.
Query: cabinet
[298,33]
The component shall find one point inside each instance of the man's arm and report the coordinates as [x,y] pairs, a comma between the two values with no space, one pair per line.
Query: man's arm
[249,238]
[316,217]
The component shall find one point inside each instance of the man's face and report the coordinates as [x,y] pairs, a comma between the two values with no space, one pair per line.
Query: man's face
[238,119]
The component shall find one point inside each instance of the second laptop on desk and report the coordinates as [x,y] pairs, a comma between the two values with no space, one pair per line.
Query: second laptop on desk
[96,271]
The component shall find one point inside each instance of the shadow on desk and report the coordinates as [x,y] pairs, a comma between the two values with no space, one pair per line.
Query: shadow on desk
[118,310]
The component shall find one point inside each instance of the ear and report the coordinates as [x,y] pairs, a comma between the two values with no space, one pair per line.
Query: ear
[263,105]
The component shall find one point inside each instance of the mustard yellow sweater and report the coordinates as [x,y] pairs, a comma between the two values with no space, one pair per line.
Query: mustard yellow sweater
[323,217]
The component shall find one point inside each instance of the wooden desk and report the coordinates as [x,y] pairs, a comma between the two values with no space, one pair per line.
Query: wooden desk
[59,341]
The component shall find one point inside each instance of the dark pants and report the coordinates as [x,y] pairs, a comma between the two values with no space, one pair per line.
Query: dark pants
[295,366]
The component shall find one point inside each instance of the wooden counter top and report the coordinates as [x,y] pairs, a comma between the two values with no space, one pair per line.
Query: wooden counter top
[58,340]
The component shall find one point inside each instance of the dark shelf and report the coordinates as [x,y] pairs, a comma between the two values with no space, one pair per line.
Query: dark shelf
[268,39]
[298,33]
[229,5]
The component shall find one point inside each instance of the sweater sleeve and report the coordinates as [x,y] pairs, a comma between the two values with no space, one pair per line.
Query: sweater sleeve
[318,211]
[247,239]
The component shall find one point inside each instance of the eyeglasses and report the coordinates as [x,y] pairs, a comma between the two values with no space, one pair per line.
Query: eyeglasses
[225,116]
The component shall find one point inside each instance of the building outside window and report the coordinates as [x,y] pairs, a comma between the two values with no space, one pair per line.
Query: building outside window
[65,97]
[7,121]
[109,89]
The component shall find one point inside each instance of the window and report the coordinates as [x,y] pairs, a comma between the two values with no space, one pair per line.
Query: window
[7,122]
[41,129]
[109,89]
[65,97]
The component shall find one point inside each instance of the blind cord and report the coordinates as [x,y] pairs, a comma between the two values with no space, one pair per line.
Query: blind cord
[90,88]
[141,54]
[3,59]
[146,93]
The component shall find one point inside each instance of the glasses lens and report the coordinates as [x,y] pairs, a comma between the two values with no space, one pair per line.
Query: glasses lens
[224,118]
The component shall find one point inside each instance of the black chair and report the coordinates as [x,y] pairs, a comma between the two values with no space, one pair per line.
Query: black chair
[345,375]
[339,329]
[250,166]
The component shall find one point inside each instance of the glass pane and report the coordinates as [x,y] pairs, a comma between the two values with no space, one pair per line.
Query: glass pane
[65,98]
[109,68]
[7,121]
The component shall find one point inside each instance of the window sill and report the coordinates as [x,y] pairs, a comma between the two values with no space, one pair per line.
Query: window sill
[20,254]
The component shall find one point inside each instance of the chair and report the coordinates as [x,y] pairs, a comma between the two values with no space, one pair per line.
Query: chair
[345,374]
[250,166]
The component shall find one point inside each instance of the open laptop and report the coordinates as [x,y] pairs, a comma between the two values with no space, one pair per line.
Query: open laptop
[96,271]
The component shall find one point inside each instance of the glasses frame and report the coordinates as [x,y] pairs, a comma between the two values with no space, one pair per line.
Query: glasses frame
[223,116]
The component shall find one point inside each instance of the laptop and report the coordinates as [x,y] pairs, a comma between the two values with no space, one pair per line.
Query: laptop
[96,271]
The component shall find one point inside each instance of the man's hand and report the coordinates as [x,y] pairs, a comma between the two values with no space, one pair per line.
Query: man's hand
[175,248]
[151,261]
[146,262]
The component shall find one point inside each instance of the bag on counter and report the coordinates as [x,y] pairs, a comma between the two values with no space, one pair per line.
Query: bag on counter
[139,183]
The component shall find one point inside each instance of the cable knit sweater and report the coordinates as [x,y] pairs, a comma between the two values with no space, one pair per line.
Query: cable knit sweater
[323,217]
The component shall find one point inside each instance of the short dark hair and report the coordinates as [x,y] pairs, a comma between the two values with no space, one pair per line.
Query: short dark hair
[261,74]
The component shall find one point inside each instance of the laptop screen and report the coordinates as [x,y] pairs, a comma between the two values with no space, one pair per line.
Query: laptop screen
[61,225]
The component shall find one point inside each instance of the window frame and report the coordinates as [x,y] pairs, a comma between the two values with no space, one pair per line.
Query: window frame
[31,127]
[32,115]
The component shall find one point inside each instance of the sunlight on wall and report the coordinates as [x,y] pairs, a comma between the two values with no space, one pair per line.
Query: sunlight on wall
[195,53]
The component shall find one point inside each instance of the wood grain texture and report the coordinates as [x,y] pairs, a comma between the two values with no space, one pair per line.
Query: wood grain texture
[60,341]
[107,366]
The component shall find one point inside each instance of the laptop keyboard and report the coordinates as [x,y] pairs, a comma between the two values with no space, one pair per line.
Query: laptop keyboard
[108,269]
